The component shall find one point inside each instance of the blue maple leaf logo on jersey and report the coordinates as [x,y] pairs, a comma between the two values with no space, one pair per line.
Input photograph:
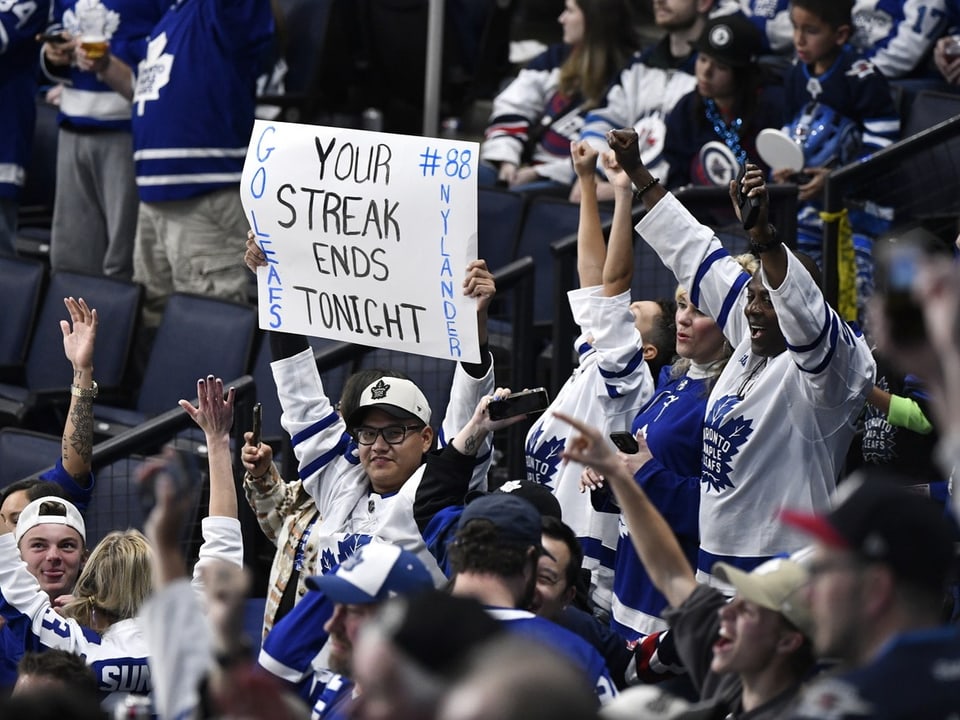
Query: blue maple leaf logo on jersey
[543,459]
[346,547]
[722,440]
[326,561]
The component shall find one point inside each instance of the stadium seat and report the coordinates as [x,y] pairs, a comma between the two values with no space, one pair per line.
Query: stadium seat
[198,336]
[24,453]
[21,281]
[117,303]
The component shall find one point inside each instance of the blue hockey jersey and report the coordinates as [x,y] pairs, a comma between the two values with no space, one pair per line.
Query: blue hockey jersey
[194,99]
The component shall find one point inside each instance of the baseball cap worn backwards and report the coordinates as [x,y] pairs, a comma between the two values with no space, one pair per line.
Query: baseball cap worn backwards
[397,397]
[882,522]
[516,520]
[730,39]
[377,571]
[44,511]
[776,585]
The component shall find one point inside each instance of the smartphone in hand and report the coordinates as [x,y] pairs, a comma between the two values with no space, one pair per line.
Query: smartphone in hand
[749,206]
[52,38]
[520,403]
[625,442]
[257,424]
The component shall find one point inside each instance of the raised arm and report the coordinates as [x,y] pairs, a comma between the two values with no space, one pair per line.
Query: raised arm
[652,538]
[591,251]
[618,268]
[763,238]
[79,338]
[214,415]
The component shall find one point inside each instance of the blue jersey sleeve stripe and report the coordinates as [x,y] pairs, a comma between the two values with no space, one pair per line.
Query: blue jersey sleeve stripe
[319,462]
[613,392]
[628,369]
[834,332]
[706,560]
[702,272]
[731,298]
[317,427]
[819,339]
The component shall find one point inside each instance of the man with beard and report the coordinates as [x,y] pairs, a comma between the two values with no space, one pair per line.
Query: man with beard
[350,595]
[494,556]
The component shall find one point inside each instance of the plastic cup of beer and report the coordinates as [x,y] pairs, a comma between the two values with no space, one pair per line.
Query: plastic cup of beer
[95,46]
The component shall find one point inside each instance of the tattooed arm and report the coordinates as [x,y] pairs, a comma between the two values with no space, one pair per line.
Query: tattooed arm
[79,336]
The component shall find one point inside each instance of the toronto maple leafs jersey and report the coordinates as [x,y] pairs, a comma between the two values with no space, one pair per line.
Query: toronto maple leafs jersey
[531,106]
[569,644]
[19,23]
[609,386]
[118,657]
[672,424]
[85,102]
[194,96]
[777,429]
[855,89]
[330,469]
[916,675]
[641,98]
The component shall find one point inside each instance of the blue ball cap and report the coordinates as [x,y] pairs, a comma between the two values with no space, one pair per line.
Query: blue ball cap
[517,521]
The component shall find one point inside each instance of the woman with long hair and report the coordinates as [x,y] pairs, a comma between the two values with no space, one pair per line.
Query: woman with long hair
[534,119]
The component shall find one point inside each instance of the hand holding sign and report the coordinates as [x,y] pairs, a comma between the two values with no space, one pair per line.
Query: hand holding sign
[361,237]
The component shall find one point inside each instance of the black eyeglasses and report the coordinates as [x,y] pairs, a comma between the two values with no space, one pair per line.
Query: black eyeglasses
[392,434]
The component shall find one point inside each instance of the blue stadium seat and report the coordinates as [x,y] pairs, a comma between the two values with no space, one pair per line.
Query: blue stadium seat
[499,217]
[198,336]
[117,303]
[548,220]
[21,281]
[25,452]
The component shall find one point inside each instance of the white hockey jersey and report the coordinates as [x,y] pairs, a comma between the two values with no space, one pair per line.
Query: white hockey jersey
[331,472]
[777,429]
[605,391]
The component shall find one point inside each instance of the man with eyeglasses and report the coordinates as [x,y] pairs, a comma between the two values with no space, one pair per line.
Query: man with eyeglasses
[881,562]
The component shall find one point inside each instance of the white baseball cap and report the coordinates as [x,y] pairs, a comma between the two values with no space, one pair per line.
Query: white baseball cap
[375,572]
[397,397]
[31,516]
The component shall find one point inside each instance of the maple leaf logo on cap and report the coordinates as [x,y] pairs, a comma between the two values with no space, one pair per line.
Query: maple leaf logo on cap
[379,391]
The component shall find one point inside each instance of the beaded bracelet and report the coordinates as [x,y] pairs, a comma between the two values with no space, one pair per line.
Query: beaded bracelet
[639,193]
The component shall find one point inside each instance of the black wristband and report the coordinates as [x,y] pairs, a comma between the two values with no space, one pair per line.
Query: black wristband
[756,247]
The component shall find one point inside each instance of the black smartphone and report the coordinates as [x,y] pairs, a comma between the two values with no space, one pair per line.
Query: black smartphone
[749,206]
[52,38]
[625,442]
[519,403]
[257,424]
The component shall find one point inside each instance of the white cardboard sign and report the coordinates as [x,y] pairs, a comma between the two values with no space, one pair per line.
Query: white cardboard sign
[367,236]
